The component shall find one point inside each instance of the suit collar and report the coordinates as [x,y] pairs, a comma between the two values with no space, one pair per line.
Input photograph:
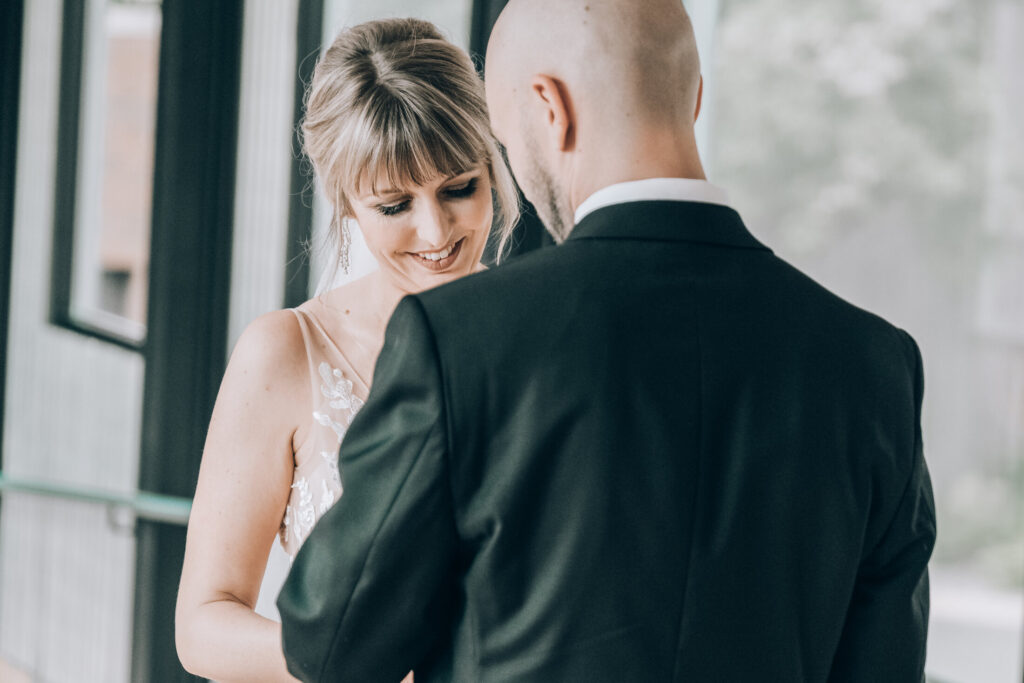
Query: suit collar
[653,189]
[668,221]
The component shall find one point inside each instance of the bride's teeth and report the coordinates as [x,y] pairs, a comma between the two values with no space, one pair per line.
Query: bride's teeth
[437,256]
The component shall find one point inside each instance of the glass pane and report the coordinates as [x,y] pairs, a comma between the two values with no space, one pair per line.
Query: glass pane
[878,146]
[451,16]
[115,165]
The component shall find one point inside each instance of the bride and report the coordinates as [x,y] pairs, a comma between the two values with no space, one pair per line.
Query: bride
[398,133]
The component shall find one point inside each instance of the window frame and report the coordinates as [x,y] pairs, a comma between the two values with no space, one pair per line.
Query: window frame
[65,199]
[195,155]
[11,28]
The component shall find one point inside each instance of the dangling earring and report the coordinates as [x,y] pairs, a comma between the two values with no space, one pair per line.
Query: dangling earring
[344,242]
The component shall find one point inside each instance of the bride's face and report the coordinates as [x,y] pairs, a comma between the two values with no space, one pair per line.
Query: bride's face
[425,235]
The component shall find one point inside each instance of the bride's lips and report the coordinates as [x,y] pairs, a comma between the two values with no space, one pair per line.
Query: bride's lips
[451,253]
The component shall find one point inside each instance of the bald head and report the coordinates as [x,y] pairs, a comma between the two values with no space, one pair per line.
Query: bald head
[638,57]
[586,93]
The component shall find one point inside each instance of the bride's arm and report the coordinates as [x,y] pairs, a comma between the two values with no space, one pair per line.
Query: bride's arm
[244,482]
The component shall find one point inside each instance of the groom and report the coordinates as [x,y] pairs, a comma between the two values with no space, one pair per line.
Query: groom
[655,452]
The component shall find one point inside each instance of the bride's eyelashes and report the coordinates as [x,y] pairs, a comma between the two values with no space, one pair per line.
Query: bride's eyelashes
[392,209]
[461,191]
[466,189]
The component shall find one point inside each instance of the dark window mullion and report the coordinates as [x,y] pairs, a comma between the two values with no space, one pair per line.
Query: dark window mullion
[11,22]
[190,264]
[66,180]
[308,36]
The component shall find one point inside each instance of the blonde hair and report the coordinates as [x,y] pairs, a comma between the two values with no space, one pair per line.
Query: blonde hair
[393,98]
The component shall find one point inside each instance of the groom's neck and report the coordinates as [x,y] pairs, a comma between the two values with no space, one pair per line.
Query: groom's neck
[638,155]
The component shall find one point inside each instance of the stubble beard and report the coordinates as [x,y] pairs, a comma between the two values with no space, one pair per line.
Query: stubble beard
[552,204]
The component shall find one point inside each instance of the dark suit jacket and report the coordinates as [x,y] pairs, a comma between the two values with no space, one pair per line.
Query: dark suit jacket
[654,453]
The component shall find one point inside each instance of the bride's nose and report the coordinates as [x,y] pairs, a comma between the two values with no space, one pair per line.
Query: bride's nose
[432,224]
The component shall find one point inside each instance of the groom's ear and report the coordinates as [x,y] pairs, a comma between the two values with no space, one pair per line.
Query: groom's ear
[552,100]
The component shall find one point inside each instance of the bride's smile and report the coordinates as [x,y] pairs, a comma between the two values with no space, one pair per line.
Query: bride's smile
[426,234]
[439,261]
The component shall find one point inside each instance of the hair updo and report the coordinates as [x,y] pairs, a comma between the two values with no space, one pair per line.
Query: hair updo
[393,98]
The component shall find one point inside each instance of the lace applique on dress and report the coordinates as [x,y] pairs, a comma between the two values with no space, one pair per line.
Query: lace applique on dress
[317,485]
[337,389]
[326,498]
[300,516]
[332,466]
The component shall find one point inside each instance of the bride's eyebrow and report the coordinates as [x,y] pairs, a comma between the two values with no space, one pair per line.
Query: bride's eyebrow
[380,192]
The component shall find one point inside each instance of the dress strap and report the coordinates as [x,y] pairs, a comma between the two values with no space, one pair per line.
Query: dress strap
[336,397]
[311,354]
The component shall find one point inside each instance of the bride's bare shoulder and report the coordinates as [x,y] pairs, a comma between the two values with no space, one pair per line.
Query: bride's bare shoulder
[271,346]
[264,385]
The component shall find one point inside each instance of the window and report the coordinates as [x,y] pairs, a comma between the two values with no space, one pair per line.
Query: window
[110,67]
[878,147]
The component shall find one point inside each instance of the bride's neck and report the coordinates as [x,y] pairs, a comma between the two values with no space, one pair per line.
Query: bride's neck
[386,295]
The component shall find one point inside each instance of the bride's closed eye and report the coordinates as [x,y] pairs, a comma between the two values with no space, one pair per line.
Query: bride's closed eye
[465,189]
[392,209]
[460,191]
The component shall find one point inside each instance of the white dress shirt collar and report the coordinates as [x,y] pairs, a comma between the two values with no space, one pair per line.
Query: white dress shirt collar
[653,189]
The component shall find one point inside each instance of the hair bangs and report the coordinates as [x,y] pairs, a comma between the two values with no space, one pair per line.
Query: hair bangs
[402,144]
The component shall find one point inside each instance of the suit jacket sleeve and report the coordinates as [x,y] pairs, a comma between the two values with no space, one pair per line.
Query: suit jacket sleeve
[887,625]
[372,586]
